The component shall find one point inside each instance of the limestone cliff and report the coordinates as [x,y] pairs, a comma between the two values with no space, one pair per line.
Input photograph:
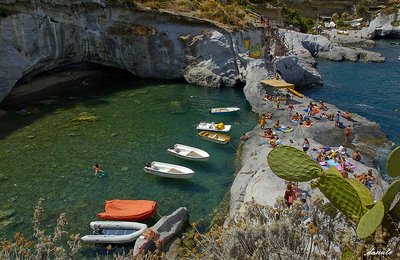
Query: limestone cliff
[41,36]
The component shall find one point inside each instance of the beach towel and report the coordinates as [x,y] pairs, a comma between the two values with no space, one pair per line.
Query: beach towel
[315,111]
[339,167]
[285,129]
[331,162]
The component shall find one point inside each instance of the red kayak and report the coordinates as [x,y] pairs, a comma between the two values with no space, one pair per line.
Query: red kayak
[128,210]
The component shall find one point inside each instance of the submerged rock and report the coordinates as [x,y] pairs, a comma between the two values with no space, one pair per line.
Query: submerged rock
[85,117]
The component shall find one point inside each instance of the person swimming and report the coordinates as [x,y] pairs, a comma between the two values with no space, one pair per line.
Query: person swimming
[97,169]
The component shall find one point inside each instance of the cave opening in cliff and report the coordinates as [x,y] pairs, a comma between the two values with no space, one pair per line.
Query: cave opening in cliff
[68,79]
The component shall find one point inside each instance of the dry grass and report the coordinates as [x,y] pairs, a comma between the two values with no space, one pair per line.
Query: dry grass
[265,232]
[232,13]
[131,29]
[45,246]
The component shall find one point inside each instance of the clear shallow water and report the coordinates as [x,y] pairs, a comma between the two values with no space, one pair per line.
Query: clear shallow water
[369,89]
[50,155]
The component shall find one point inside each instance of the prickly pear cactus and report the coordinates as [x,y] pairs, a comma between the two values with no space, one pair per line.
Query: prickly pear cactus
[362,192]
[393,163]
[390,194]
[370,221]
[395,212]
[341,194]
[293,165]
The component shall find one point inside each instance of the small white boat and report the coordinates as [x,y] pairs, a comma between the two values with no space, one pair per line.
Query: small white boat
[115,232]
[224,110]
[219,127]
[188,152]
[169,170]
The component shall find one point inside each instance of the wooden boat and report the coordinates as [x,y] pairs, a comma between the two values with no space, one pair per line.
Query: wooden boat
[115,232]
[220,127]
[188,152]
[128,210]
[169,170]
[215,137]
[224,110]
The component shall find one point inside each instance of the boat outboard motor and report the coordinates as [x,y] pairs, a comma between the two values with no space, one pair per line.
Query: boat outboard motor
[148,164]
[97,230]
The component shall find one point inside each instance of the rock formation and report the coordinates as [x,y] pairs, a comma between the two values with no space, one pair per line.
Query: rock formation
[38,37]
[384,26]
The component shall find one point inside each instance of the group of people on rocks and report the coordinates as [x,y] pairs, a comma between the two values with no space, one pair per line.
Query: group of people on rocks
[337,158]
[367,179]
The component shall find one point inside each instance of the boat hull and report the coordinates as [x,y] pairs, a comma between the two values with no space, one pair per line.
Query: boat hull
[214,137]
[115,232]
[167,170]
[188,153]
[224,110]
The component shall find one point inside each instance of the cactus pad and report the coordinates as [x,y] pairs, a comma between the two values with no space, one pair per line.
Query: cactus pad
[395,212]
[341,194]
[371,220]
[362,192]
[393,163]
[293,165]
[390,194]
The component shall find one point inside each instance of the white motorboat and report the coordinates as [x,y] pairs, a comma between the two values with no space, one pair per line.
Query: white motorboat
[219,127]
[224,110]
[169,170]
[188,152]
[114,232]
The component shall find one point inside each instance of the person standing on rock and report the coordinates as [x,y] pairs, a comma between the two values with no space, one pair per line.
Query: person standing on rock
[347,132]
[262,121]
[278,102]
[337,119]
[289,195]
[306,145]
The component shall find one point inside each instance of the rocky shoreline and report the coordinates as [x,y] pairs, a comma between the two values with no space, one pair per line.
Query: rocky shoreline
[255,180]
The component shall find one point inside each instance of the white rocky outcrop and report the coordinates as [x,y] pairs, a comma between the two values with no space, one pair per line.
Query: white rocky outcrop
[320,46]
[384,26]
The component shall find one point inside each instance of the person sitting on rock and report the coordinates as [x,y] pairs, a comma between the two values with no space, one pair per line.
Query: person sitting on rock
[330,117]
[362,178]
[370,179]
[356,155]
[269,115]
[277,125]
[290,108]
[322,106]
[307,123]
[267,97]
[320,157]
[268,134]
[275,142]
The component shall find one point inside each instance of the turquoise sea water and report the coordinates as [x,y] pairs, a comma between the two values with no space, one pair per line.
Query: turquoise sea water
[49,154]
[369,89]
